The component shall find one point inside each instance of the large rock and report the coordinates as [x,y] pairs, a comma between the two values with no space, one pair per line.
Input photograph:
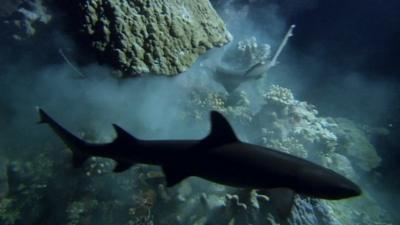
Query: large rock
[157,36]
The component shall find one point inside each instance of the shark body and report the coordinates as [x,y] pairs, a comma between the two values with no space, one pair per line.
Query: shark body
[231,79]
[220,157]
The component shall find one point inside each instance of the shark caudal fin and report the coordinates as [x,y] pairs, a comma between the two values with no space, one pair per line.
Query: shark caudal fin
[74,143]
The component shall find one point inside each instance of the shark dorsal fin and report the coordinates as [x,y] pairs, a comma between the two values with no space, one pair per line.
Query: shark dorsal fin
[221,130]
[123,134]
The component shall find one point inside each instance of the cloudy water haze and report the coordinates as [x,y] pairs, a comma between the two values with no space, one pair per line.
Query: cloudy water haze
[158,68]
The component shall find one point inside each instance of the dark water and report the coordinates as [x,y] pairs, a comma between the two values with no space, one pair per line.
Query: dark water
[332,99]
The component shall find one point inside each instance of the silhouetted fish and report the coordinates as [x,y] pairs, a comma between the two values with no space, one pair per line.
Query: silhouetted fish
[220,157]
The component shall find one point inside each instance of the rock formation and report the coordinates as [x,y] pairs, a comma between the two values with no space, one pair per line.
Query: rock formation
[151,36]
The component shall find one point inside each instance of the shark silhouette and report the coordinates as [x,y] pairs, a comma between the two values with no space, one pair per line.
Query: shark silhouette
[220,157]
[231,79]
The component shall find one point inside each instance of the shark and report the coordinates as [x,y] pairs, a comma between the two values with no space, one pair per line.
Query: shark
[232,78]
[220,157]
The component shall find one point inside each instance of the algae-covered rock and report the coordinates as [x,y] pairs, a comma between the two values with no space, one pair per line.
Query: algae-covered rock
[158,36]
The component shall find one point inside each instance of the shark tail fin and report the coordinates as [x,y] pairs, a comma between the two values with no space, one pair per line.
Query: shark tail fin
[43,117]
[75,144]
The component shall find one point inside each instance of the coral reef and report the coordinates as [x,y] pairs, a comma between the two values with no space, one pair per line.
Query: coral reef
[295,127]
[359,211]
[311,211]
[133,37]
[166,37]
[201,103]
[250,207]
[287,120]
[356,145]
[340,164]
[94,194]
[151,36]
[9,6]
[24,18]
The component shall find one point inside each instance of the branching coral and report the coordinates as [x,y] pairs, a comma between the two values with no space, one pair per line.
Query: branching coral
[289,145]
[279,96]
[295,122]
[202,103]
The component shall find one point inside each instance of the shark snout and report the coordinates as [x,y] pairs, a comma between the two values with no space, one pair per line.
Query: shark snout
[327,184]
[351,189]
[344,188]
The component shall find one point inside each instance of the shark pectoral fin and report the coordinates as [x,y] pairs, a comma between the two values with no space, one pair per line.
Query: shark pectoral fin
[121,167]
[282,200]
[173,175]
[78,158]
